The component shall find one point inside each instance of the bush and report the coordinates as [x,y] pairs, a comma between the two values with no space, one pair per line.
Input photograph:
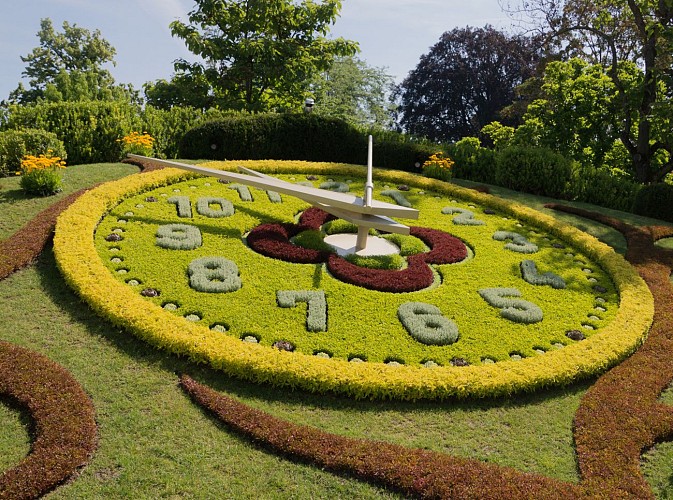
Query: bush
[655,200]
[599,186]
[533,170]
[89,129]
[297,137]
[40,174]
[15,144]
[168,127]
[472,161]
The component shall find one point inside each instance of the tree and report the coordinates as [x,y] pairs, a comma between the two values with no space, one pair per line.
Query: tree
[355,92]
[640,30]
[259,54]
[184,90]
[68,65]
[463,82]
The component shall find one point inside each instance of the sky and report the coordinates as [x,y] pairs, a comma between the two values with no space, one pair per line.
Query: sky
[392,34]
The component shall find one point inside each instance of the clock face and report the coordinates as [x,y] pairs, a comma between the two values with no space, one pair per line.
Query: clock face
[471,285]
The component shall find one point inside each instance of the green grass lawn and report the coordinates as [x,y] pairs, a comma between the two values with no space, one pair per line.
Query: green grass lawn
[154,443]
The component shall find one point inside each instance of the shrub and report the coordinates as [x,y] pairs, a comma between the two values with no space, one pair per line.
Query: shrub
[15,144]
[40,175]
[89,129]
[533,170]
[169,126]
[472,161]
[298,137]
[655,200]
[601,187]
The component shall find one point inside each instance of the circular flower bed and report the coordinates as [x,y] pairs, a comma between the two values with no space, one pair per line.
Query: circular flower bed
[496,287]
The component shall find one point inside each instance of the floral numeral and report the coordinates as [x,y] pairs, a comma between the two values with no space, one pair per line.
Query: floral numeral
[531,275]
[274,197]
[213,275]
[518,244]
[517,310]
[316,306]
[243,191]
[178,237]
[204,207]
[182,204]
[426,324]
[396,195]
[463,218]
[339,187]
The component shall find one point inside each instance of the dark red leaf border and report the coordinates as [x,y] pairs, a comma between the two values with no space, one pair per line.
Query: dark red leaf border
[273,240]
[23,247]
[64,424]
[618,419]
[419,473]
[63,416]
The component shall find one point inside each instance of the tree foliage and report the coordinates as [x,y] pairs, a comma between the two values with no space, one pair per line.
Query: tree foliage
[191,90]
[258,55]
[463,82]
[355,92]
[68,66]
[637,30]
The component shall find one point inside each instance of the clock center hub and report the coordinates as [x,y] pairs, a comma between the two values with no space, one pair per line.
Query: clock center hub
[345,244]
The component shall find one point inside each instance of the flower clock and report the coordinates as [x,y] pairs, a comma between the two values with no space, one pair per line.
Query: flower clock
[482,298]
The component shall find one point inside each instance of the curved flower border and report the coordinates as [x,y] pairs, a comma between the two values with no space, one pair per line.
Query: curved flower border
[79,262]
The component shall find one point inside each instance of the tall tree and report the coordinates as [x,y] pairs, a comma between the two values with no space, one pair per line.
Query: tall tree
[184,89]
[259,54]
[354,91]
[639,30]
[463,82]
[68,65]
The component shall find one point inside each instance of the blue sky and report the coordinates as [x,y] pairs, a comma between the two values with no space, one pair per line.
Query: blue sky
[392,33]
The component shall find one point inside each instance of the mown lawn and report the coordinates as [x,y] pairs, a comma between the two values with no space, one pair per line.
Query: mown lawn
[154,443]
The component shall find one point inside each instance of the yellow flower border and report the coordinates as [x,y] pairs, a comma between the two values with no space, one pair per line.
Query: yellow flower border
[83,270]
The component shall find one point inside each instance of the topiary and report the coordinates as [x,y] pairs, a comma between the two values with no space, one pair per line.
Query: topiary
[538,171]
[655,200]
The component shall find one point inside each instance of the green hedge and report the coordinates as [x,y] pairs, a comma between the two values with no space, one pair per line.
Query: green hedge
[472,161]
[600,187]
[89,129]
[15,144]
[655,200]
[538,171]
[298,137]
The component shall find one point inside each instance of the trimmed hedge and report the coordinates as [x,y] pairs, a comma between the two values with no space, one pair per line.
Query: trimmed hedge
[533,170]
[89,129]
[655,200]
[297,137]
[600,187]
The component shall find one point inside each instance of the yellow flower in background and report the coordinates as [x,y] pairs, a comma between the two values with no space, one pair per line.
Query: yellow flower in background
[137,143]
[438,166]
[439,161]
